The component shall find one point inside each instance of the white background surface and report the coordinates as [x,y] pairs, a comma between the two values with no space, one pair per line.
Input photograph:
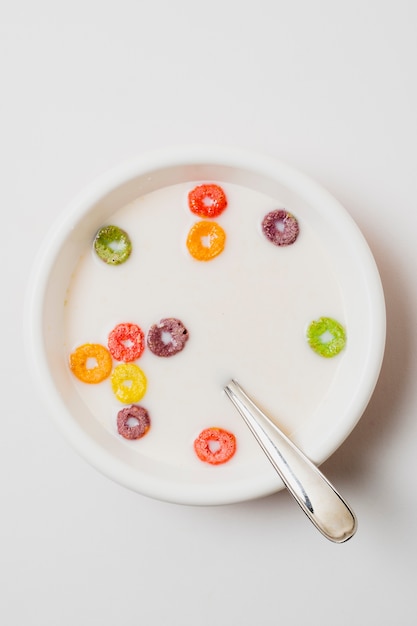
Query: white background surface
[330,88]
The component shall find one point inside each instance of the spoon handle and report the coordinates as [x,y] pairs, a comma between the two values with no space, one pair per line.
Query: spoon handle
[316,496]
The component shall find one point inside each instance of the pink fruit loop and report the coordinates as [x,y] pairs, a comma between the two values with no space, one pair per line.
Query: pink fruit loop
[280,227]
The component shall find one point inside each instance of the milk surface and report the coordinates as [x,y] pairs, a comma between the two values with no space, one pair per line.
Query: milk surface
[246,312]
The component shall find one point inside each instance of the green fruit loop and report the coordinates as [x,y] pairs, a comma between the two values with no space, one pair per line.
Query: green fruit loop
[112,245]
[326,337]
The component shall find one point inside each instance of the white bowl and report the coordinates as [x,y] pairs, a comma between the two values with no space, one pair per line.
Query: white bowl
[319,426]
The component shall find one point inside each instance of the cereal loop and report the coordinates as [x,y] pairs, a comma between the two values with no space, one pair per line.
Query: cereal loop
[168,337]
[215,446]
[206,240]
[207,200]
[91,363]
[280,227]
[128,383]
[326,337]
[133,422]
[126,342]
[112,245]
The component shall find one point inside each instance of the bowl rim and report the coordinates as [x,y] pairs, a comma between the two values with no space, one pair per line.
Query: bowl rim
[152,161]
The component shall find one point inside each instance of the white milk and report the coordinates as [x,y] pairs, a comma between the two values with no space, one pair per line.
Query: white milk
[246,312]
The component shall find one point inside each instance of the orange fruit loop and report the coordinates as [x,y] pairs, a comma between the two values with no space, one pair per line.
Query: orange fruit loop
[207,200]
[91,363]
[215,445]
[206,240]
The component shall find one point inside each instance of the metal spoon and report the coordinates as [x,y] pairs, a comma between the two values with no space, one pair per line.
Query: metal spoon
[316,496]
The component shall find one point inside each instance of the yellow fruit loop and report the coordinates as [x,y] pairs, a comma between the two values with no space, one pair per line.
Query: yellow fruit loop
[206,240]
[128,383]
[91,363]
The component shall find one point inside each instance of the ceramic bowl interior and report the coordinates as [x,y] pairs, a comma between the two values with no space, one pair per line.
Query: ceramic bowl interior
[352,263]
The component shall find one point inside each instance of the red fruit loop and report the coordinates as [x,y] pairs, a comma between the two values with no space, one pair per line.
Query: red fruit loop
[215,446]
[133,422]
[126,342]
[207,200]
